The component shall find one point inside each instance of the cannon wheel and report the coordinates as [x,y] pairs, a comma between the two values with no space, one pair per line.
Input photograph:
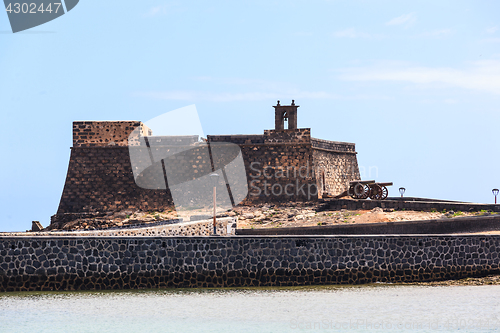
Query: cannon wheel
[385,192]
[366,194]
[358,191]
[375,192]
[350,192]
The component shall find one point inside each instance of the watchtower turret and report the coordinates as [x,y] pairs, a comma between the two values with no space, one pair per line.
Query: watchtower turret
[285,112]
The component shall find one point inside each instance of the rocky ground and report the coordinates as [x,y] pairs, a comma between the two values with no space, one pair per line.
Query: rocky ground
[135,217]
[118,219]
[312,214]
[294,214]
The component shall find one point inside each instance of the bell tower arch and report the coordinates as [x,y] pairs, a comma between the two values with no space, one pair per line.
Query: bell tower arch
[285,112]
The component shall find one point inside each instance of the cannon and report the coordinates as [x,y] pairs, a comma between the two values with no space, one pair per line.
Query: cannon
[363,189]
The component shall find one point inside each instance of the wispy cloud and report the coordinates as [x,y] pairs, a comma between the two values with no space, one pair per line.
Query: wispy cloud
[478,76]
[155,11]
[490,40]
[243,89]
[492,30]
[247,84]
[302,34]
[405,19]
[350,33]
[163,10]
[353,33]
[437,33]
[189,95]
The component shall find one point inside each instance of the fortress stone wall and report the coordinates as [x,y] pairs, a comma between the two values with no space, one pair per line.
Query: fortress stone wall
[335,165]
[281,165]
[289,164]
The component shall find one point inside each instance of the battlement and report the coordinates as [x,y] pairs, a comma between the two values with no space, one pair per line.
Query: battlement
[334,146]
[107,133]
[298,135]
[174,140]
[238,139]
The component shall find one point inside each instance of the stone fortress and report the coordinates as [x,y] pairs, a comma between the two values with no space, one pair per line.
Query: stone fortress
[283,164]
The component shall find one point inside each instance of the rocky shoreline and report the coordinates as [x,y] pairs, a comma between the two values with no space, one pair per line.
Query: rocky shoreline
[478,281]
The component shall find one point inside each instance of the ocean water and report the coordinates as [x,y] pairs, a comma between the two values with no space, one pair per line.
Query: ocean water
[368,308]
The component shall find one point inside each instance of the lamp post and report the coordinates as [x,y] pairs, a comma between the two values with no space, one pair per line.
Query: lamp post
[215,180]
[495,193]
[402,191]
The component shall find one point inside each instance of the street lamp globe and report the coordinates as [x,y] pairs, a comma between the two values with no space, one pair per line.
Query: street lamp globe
[402,191]
[215,179]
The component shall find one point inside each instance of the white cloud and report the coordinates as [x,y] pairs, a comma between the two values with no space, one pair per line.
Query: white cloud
[168,9]
[248,90]
[490,40]
[158,10]
[186,95]
[302,34]
[479,76]
[492,30]
[353,33]
[350,33]
[437,33]
[407,19]
[250,84]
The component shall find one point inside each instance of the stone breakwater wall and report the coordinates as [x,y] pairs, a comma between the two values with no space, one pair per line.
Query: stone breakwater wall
[83,263]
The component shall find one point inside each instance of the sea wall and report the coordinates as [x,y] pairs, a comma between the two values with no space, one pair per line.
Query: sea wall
[82,263]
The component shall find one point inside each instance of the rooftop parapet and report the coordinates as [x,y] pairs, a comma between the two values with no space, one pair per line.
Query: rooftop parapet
[298,135]
[238,139]
[107,133]
[335,146]
[172,140]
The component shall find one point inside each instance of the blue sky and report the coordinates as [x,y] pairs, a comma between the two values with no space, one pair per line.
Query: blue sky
[415,85]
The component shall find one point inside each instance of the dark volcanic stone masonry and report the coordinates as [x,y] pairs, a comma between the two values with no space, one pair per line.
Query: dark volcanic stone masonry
[146,262]
[281,165]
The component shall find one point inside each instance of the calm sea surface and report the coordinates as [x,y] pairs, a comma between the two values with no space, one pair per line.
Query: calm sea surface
[373,308]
